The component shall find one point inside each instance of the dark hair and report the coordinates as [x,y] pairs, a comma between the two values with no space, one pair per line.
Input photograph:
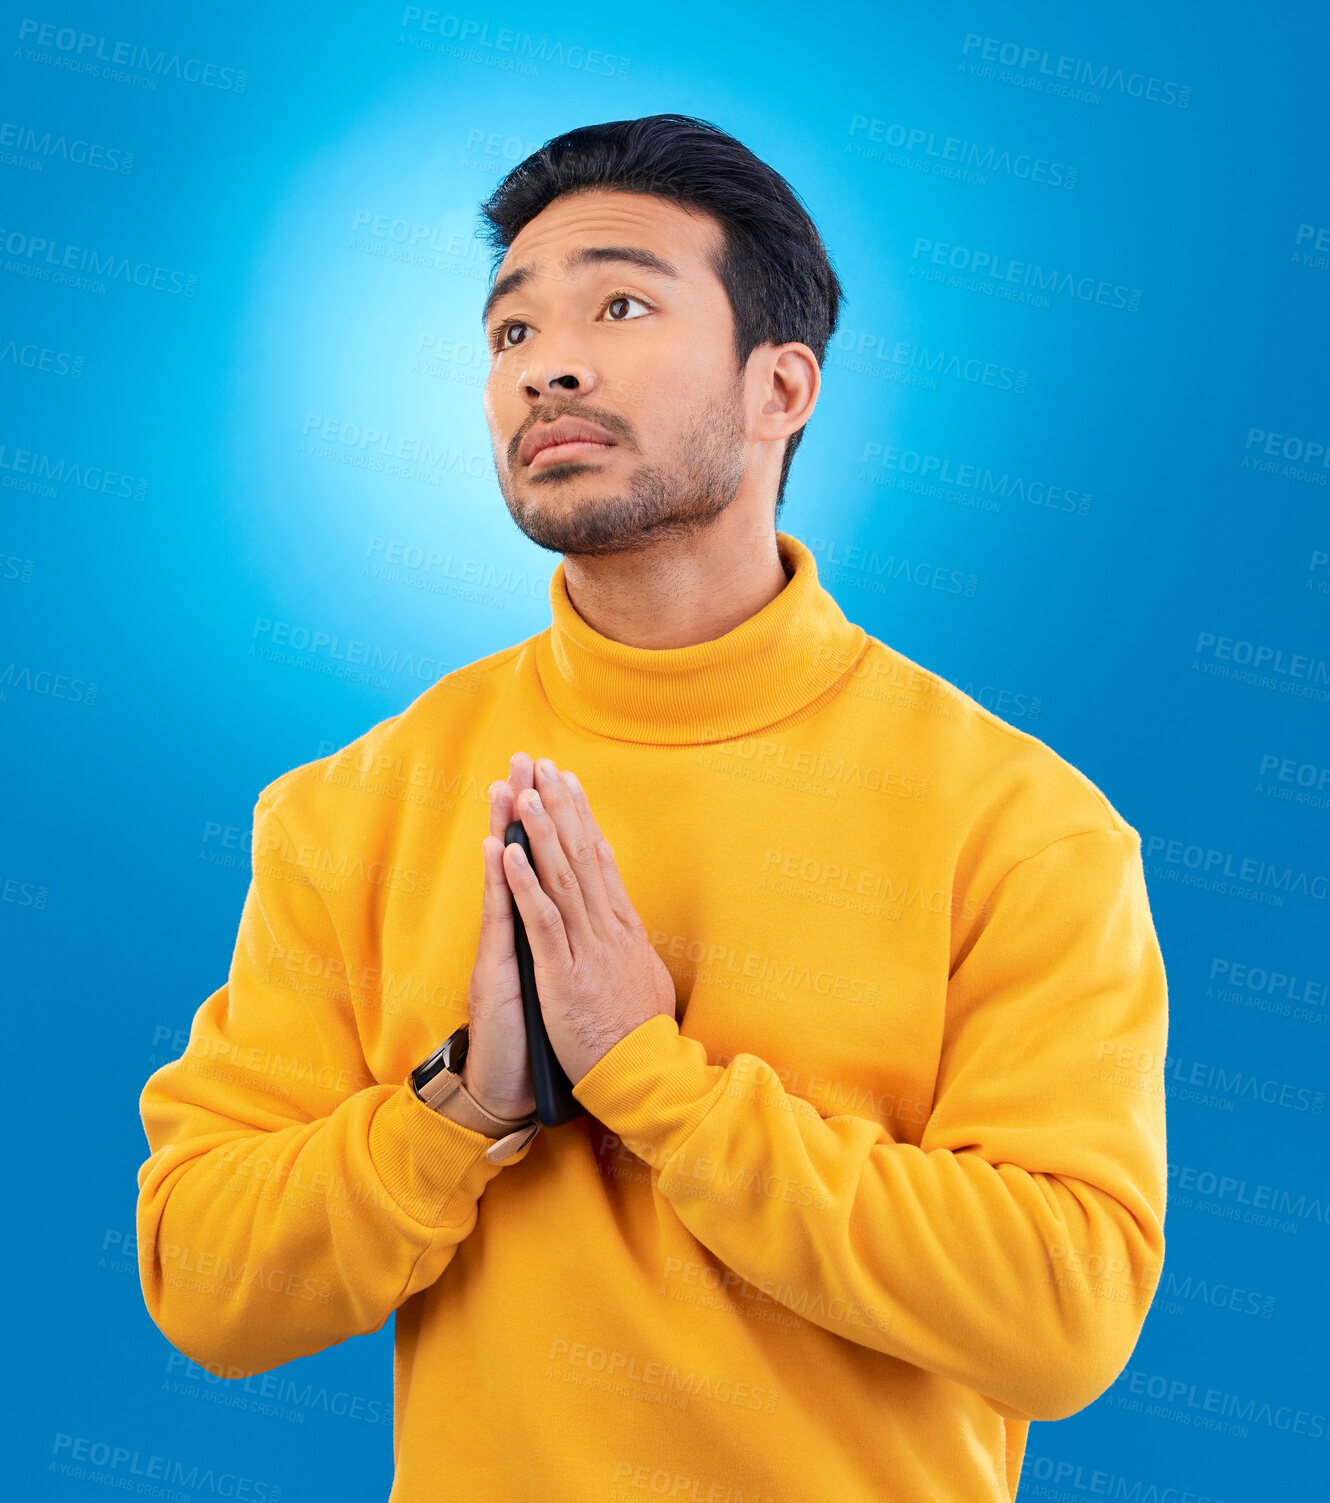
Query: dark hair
[773,265]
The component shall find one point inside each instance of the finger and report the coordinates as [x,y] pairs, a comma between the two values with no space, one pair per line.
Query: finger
[610,876]
[554,869]
[540,917]
[503,793]
[579,845]
[502,813]
[520,772]
[496,945]
[495,982]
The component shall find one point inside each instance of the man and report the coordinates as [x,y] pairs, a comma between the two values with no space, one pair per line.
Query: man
[856,984]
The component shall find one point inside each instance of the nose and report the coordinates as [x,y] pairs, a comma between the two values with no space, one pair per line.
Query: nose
[552,378]
[555,366]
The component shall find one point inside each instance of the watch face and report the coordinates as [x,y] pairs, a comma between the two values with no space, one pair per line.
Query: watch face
[450,1056]
[455,1044]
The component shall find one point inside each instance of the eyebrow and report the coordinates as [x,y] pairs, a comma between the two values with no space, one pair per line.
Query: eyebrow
[587,255]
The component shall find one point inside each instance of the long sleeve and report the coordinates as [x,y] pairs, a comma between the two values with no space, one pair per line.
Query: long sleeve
[1016,1248]
[291,1200]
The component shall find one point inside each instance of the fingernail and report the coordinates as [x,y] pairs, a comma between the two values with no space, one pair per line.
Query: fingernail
[519,855]
[534,803]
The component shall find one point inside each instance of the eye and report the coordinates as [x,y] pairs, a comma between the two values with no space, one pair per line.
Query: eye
[499,339]
[625,297]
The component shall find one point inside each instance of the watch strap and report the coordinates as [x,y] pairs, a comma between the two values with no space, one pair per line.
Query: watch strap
[513,1133]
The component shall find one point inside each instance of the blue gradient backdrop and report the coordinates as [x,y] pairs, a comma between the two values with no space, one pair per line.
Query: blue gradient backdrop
[236,241]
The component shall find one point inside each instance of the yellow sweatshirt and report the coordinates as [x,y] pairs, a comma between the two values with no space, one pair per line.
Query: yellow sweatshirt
[891,1187]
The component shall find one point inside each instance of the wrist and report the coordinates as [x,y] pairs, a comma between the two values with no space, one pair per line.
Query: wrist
[465,1107]
[497,1109]
[437,1083]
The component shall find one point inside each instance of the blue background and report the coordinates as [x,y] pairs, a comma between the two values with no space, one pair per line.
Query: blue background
[302,188]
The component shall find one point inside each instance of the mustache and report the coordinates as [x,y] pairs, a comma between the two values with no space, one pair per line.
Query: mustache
[611,422]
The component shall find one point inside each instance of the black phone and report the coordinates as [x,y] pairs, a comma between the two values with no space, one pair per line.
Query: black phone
[555,1103]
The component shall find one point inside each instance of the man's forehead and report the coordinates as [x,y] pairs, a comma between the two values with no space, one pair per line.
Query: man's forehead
[605,216]
[569,260]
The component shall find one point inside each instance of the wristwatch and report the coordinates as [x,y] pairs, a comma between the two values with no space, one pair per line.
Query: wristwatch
[438,1079]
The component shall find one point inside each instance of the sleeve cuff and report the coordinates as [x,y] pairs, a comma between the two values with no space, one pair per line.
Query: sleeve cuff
[652,1088]
[434,1168]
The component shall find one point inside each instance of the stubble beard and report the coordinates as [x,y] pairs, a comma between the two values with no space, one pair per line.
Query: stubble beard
[660,505]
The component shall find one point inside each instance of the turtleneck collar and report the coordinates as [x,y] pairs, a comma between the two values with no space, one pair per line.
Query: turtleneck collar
[767,668]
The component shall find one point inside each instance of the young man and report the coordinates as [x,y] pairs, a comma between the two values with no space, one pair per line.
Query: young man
[842,968]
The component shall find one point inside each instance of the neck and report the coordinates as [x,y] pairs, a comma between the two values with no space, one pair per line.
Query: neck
[680,590]
[791,654]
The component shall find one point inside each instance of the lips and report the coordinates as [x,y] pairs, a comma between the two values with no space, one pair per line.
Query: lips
[564,431]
